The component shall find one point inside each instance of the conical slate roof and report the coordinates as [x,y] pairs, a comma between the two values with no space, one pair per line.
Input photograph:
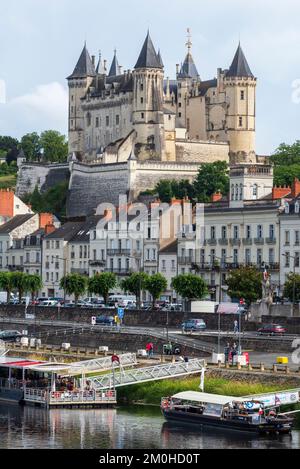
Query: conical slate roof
[84,67]
[160,59]
[189,68]
[115,68]
[148,57]
[100,70]
[239,66]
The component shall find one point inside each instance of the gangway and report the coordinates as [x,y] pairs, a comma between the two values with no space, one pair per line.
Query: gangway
[144,375]
[101,364]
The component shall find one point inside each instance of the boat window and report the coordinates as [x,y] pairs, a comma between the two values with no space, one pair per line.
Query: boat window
[214,410]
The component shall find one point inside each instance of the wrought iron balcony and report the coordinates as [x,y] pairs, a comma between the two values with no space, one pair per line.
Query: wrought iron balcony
[80,271]
[235,242]
[15,268]
[120,272]
[271,240]
[259,241]
[211,242]
[223,241]
[247,242]
[97,263]
[186,260]
[118,252]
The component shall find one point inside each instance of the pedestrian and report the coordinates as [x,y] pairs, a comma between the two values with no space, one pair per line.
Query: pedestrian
[148,348]
[234,352]
[151,349]
[227,352]
[236,327]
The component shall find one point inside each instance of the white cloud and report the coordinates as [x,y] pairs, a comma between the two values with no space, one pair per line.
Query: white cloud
[46,107]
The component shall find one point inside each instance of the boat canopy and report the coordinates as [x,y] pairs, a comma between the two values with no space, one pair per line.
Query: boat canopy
[201,397]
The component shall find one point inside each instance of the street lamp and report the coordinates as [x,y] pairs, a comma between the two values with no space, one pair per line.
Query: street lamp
[286,255]
[222,260]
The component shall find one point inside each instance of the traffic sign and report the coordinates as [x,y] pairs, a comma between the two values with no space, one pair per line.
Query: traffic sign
[121,313]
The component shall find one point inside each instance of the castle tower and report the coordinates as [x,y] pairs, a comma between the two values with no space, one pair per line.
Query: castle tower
[148,114]
[240,88]
[79,82]
[186,76]
[115,67]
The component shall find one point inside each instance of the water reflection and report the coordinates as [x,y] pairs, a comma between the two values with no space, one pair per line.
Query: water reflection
[138,427]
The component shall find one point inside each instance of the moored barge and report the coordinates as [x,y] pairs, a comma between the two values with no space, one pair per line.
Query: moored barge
[225,412]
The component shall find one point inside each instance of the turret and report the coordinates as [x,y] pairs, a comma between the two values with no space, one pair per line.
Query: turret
[148,116]
[79,82]
[240,88]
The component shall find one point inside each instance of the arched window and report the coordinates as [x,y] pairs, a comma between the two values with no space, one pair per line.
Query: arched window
[297,207]
[241,191]
[232,192]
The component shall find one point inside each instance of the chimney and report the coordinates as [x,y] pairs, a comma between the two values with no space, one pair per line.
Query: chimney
[49,229]
[7,199]
[217,197]
[46,219]
[296,188]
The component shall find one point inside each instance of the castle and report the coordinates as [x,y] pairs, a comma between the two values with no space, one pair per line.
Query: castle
[112,112]
[130,129]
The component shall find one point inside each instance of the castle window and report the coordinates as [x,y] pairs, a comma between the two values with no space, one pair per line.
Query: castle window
[240,121]
[179,105]
[255,191]
[97,121]
[117,119]
[179,115]
[88,119]
[107,121]
[242,95]
[142,87]
[142,115]
[142,100]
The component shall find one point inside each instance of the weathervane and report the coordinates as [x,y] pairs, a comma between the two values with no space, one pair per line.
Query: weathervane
[189,41]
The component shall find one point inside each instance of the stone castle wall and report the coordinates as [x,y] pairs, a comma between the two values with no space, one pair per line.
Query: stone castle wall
[201,151]
[43,176]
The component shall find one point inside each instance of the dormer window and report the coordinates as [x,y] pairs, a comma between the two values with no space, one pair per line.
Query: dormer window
[287,208]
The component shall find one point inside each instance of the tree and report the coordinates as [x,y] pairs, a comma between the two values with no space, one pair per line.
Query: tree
[135,284]
[19,282]
[293,281]
[190,287]
[102,284]
[54,145]
[245,283]
[74,284]
[7,144]
[31,146]
[6,283]
[33,284]
[12,156]
[164,191]
[287,155]
[156,284]
[211,178]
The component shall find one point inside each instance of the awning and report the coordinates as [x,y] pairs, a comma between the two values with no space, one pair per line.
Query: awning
[228,308]
[201,397]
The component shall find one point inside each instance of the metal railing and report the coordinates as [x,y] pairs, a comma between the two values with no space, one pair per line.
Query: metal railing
[46,397]
[144,375]
[118,252]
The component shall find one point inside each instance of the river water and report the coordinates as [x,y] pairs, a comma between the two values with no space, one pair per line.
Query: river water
[121,428]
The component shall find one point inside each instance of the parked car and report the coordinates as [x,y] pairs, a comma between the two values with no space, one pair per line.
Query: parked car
[272,329]
[10,336]
[105,320]
[193,325]
[48,303]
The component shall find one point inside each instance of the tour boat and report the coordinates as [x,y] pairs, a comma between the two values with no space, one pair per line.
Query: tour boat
[225,412]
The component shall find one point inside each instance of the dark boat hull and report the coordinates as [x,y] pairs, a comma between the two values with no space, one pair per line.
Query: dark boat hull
[232,425]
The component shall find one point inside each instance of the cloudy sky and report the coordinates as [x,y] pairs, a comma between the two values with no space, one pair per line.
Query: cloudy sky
[41,40]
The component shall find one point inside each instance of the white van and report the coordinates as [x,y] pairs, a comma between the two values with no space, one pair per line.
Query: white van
[123,300]
[49,303]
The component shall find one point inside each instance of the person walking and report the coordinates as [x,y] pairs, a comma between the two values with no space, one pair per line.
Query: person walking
[227,352]
[236,327]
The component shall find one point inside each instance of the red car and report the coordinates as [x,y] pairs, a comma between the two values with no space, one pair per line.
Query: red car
[272,329]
